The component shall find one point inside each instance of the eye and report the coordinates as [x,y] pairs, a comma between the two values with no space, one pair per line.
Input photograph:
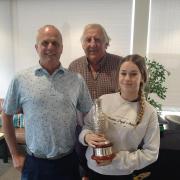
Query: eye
[55,43]
[123,73]
[88,40]
[45,43]
[97,40]
[133,74]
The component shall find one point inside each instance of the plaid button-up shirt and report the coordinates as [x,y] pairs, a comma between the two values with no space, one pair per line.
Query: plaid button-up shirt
[106,81]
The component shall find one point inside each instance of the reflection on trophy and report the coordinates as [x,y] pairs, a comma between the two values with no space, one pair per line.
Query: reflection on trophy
[101,152]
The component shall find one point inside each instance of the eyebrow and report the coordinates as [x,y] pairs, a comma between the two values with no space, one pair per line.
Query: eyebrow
[130,70]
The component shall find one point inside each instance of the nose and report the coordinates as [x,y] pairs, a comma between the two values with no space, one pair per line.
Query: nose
[92,42]
[50,45]
[127,77]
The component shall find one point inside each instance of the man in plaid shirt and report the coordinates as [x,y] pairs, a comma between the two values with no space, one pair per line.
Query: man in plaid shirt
[98,68]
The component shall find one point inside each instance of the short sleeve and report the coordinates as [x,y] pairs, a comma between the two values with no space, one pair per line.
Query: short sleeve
[11,103]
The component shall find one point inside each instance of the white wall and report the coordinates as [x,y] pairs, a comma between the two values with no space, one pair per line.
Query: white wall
[164,44]
[6,49]
[20,20]
[70,17]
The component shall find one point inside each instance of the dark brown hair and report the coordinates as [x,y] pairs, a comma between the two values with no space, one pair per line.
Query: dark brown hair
[139,61]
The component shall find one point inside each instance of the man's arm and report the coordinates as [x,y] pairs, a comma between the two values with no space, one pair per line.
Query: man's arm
[9,131]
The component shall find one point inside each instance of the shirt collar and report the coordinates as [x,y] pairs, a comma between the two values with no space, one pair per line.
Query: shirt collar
[39,69]
[101,62]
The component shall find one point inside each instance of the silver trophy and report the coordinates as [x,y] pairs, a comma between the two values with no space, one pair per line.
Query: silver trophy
[101,152]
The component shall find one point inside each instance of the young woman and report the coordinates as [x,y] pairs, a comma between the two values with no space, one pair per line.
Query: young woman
[132,126]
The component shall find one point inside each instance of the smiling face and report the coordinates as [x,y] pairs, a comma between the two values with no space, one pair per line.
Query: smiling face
[49,45]
[94,44]
[129,80]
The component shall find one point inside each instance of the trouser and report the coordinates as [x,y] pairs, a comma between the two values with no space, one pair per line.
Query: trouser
[65,168]
[96,176]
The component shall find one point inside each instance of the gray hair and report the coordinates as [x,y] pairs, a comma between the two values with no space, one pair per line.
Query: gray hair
[41,29]
[91,26]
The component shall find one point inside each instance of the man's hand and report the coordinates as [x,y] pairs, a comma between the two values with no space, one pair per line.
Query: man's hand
[18,161]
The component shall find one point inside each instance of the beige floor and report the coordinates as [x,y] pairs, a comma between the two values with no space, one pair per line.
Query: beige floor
[7,172]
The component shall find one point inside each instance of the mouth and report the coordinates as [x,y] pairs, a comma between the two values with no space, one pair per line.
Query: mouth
[50,54]
[127,85]
[92,51]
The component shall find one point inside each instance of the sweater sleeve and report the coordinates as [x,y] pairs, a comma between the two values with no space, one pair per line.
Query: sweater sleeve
[126,160]
[88,126]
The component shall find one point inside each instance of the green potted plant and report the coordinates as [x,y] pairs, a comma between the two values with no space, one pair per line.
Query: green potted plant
[155,86]
[156,83]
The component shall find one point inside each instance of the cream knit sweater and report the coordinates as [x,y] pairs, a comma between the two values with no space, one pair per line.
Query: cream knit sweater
[125,137]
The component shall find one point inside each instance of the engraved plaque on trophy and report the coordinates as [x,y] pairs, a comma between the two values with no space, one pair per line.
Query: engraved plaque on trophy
[101,152]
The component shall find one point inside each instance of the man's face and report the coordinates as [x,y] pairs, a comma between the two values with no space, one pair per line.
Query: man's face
[49,45]
[94,44]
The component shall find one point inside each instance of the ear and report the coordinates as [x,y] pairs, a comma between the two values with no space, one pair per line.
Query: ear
[142,79]
[83,45]
[36,46]
[61,49]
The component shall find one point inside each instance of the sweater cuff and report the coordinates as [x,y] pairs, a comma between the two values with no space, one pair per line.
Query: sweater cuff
[82,136]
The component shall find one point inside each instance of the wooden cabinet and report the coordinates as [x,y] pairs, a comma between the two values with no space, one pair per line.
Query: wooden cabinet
[20,135]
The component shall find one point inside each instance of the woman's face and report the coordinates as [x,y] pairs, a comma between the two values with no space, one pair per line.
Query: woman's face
[129,79]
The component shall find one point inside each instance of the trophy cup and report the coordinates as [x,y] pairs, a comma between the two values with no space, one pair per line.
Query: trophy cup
[101,152]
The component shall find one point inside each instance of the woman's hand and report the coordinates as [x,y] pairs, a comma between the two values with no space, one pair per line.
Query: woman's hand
[94,140]
[103,162]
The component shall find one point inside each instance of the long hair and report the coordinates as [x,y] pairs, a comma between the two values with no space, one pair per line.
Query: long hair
[139,61]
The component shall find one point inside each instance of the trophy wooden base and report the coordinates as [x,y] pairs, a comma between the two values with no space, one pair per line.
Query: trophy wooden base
[103,152]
